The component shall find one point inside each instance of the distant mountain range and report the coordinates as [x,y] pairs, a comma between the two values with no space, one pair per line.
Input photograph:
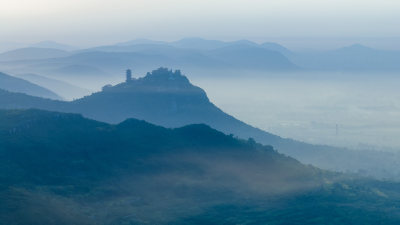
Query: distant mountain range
[8,46]
[15,84]
[167,98]
[203,54]
[65,169]
[203,44]
[350,58]
[193,54]
[53,45]
[196,55]
[26,54]
[355,58]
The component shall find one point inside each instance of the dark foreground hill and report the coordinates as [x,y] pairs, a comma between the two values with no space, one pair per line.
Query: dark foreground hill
[61,168]
[168,99]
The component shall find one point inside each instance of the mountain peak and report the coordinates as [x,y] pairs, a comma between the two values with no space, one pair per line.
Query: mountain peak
[54,45]
[198,43]
[160,81]
[161,93]
[139,41]
[32,53]
[244,42]
[275,47]
[356,47]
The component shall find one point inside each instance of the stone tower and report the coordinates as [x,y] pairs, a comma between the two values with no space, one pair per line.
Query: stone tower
[128,75]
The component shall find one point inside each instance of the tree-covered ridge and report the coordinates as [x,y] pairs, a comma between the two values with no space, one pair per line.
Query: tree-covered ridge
[35,136]
[66,168]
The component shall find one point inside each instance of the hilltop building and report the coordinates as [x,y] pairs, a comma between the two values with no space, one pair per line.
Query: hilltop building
[128,75]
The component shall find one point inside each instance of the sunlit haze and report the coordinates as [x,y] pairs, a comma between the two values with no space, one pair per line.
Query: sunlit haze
[298,24]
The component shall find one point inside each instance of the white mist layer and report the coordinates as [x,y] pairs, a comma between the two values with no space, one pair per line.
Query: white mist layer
[358,111]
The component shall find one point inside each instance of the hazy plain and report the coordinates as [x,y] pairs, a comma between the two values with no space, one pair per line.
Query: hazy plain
[355,110]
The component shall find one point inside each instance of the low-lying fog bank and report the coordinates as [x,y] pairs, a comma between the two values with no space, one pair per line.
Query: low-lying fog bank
[359,111]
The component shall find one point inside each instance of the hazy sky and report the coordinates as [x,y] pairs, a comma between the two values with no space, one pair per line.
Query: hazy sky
[92,22]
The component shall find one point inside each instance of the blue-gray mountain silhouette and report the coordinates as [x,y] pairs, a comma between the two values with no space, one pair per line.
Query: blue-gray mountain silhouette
[167,98]
[64,89]
[277,47]
[53,45]
[19,85]
[191,54]
[198,55]
[32,54]
[245,56]
[352,58]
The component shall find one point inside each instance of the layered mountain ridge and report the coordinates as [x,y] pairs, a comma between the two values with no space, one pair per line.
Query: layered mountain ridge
[168,99]
[15,84]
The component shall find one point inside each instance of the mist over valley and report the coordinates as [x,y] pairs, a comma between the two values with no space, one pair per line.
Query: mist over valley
[199,112]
